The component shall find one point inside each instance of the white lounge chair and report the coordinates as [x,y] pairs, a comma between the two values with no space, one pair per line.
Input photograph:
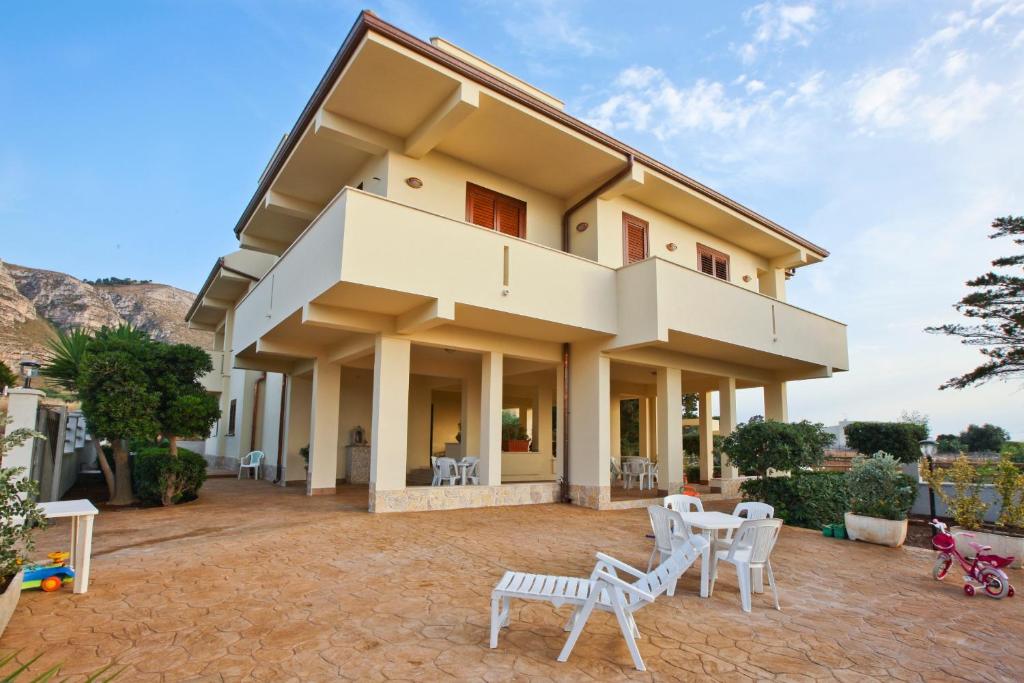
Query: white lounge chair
[251,461]
[604,590]
[749,552]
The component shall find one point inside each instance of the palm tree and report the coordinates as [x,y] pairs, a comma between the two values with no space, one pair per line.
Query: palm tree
[65,361]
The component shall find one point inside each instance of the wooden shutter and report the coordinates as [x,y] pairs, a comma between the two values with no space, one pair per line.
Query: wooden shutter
[712,262]
[634,239]
[490,209]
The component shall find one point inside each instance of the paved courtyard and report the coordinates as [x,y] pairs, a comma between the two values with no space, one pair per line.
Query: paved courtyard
[254,582]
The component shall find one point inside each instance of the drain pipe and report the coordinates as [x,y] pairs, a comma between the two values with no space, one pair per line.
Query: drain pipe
[566,217]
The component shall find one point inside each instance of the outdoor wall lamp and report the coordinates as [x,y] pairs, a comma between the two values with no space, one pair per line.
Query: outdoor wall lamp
[671,246]
[582,227]
[29,369]
[414,183]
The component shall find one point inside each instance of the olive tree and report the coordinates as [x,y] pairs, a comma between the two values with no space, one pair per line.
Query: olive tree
[761,445]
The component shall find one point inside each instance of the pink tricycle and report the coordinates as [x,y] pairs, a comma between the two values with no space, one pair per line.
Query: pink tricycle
[985,569]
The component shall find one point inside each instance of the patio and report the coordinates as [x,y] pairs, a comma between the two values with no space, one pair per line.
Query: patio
[254,582]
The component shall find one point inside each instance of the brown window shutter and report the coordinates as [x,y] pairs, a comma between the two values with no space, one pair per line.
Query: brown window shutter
[712,262]
[634,239]
[490,209]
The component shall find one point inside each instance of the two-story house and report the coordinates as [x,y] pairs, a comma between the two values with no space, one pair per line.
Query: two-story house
[436,242]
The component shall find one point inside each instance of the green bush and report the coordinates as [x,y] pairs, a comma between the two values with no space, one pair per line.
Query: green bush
[163,479]
[759,445]
[805,499]
[878,487]
[901,439]
[1014,449]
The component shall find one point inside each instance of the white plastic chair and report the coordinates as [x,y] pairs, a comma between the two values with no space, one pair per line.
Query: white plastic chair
[750,510]
[670,533]
[634,469]
[683,503]
[251,461]
[472,470]
[750,552]
[445,472]
[616,471]
[605,590]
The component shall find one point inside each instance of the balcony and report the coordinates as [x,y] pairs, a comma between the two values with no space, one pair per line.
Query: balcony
[368,253]
[671,306]
[214,380]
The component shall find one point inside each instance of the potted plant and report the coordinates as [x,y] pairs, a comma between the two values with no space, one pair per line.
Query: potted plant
[513,436]
[961,488]
[19,518]
[881,496]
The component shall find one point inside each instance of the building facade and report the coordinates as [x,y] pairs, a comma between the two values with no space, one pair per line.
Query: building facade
[437,242]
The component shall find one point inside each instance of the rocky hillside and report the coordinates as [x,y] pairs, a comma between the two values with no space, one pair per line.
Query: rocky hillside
[33,303]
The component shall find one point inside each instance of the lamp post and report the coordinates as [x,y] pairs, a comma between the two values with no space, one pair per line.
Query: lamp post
[29,369]
[928,449]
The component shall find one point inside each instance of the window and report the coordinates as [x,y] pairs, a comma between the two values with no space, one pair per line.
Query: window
[712,262]
[634,239]
[490,209]
[231,417]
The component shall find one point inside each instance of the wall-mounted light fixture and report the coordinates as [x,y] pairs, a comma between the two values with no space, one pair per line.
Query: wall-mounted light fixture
[414,183]
[671,246]
[582,227]
[746,278]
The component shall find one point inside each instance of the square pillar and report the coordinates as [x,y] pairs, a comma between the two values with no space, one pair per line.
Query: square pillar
[642,429]
[652,427]
[707,436]
[615,421]
[323,428]
[491,379]
[22,407]
[775,402]
[589,426]
[542,420]
[559,426]
[389,422]
[471,413]
[670,429]
[727,420]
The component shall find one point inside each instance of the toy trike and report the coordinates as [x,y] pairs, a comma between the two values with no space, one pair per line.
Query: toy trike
[985,569]
[49,577]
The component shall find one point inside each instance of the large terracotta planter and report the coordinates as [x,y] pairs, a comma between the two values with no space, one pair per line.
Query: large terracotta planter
[1002,544]
[9,600]
[889,532]
[515,445]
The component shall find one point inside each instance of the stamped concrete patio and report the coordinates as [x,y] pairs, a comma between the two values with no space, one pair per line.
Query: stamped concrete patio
[253,582]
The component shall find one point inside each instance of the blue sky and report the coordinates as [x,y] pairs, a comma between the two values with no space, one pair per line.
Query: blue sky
[888,132]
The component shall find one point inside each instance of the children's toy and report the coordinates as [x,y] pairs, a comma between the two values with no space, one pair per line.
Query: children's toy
[49,577]
[985,569]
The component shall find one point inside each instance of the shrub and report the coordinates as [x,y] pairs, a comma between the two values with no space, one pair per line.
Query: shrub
[878,488]
[805,499]
[900,439]
[161,478]
[759,445]
[1009,484]
[1014,449]
[965,504]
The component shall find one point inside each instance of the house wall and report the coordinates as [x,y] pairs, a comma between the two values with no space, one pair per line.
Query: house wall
[447,415]
[355,408]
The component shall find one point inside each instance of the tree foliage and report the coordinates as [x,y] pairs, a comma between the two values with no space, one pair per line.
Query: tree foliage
[949,443]
[901,439]
[7,376]
[984,438]
[185,408]
[66,353]
[997,303]
[759,445]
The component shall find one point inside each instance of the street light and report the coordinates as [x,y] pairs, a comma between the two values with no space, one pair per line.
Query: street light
[29,369]
[928,449]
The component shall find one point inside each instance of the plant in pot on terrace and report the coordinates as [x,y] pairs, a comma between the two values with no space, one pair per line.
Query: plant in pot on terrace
[881,496]
[19,519]
[960,488]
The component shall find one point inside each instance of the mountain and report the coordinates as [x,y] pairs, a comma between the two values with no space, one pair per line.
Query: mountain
[34,303]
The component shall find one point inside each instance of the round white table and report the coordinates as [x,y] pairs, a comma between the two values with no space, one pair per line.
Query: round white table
[710,523]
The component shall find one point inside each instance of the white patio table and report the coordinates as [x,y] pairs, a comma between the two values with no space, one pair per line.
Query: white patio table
[463,468]
[82,513]
[710,523]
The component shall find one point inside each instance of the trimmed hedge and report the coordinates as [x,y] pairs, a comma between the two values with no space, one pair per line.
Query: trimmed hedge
[805,499]
[162,479]
[899,439]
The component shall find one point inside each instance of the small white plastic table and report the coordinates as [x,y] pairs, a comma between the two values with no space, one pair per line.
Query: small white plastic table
[82,513]
[710,523]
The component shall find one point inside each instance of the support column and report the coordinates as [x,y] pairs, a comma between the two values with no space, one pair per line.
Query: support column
[727,420]
[643,429]
[559,423]
[22,406]
[652,427]
[389,422]
[491,379]
[707,436]
[670,429]
[615,421]
[589,427]
[471,413]
[775,402]
[542,419]
[323,428]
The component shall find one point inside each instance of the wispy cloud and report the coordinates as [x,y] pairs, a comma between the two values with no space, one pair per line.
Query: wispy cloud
[548,25]
[778,23]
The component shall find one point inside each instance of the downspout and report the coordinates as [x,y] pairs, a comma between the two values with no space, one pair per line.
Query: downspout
[280,431]
[625,172]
